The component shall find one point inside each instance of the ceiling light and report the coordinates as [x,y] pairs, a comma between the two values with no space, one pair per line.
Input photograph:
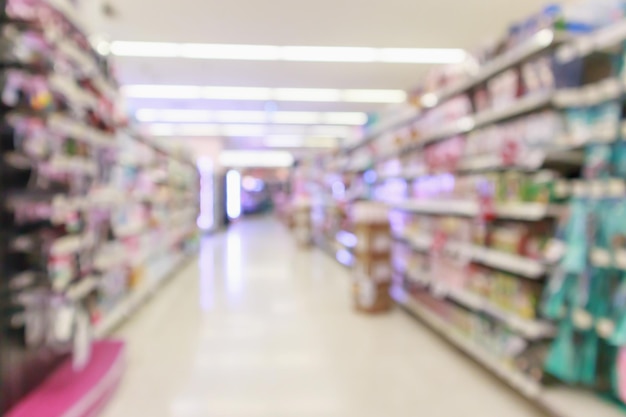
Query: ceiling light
[246,130]
[332,131]
[328,54]
[288,53]
[306,94]
[243,130]
[146,49]
[235,116]
[234,52]
[283,141]
[163,91]
[267,159]
[374,96]
[196,130]
[344,118]
[290,141]
[423,55]
[235,93]
[296,117]
[253,93]
[173,115]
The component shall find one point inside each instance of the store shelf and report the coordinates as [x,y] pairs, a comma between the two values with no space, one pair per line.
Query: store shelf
[468,208]
[451,207]
[606,90]
[526,267]
[69,12]
[71,244]
[469,123]
[82,289]
[404,119]
[603,258]
[516,379]
[73,92]
[531,329]
[528,328]
[521,106]
[516,264]
[136,298]
[558,402]
[73,164]
[79,131]
[599,41]
[541,41]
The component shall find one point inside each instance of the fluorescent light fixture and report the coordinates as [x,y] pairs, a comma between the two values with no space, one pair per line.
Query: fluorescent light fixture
[173,115]
[328,54]
[164,91]
[280,117]
[307,94]
[288,53]
[235,93]
[283,141]
[229,52]
[257,159]
[296,117]
[344,118]
[374,96]
[233,194]
[240,117]
[423,55]
[146,49]
[196,130]
[332,131]
[263,94]
[243,130]
[291,141]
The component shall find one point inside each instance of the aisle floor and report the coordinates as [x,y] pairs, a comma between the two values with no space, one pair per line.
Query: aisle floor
[260,328]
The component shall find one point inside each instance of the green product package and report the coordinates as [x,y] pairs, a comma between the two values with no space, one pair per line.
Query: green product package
[562,360]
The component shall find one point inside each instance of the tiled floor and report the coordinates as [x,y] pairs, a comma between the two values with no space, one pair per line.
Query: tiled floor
[259,328]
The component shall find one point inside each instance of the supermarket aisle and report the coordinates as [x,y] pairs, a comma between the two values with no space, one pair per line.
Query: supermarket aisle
[260,328]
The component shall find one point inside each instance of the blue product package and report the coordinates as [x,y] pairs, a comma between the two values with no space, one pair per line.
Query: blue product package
[597,161]
[618,160]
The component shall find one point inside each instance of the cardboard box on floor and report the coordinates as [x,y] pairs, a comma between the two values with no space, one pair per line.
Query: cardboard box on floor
[372,268]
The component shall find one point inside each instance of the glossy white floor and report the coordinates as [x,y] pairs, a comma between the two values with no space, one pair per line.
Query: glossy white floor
[259,328]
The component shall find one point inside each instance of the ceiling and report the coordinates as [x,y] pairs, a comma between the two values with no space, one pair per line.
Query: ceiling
[389,24]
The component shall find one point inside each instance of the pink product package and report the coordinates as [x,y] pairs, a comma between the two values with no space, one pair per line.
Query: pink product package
[67,393]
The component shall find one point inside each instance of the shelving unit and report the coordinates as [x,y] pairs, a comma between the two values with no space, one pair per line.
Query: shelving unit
[557,401]
[464,173]
[91,233]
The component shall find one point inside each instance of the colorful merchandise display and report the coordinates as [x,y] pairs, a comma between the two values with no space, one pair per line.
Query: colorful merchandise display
[506,191]
[83,200]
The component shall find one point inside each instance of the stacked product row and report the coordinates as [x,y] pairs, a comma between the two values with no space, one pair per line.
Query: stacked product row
[78,218]
[507,195]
